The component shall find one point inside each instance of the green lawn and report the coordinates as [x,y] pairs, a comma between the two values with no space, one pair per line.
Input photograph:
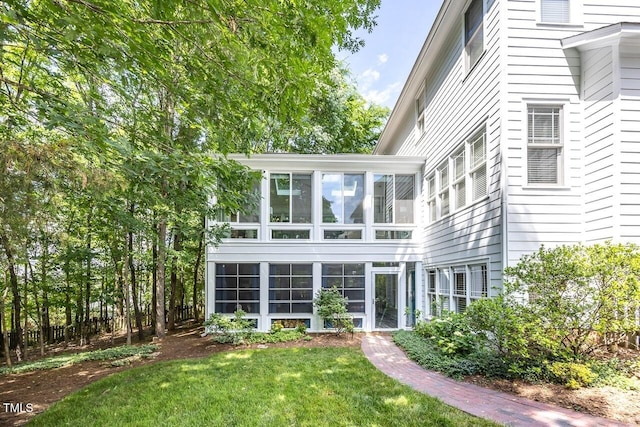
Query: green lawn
[272,387]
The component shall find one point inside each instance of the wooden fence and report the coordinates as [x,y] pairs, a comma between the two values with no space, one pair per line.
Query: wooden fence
[96,325]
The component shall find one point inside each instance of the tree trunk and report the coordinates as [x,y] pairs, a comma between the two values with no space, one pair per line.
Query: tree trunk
[127,296]
[67,299]
[86,331]
[154,281]
[13,280]
[174,282]
[36,300]
[5,335]
[159,285]
[134,286]
[196,269]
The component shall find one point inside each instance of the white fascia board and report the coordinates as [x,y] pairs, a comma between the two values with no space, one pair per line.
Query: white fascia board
[331,162]
[605,36]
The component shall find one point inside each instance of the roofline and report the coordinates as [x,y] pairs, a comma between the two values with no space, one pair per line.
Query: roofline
[602,36]
[431,43]
[330,161]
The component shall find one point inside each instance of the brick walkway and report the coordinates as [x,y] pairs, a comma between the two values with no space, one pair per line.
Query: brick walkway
[494,405]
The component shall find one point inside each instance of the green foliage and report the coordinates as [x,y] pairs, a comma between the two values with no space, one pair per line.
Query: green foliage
[114,353]
[451,334]
[572,374]
[283,335]
[332,308]
[573,291]
[229,330]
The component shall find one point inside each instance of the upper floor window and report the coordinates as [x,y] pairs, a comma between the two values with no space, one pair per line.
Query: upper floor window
[443,194]
[342,198]
[473,32]
[250,215]
[420,110]
[393,199]
[478,165]
[431,197]
[555,11]
[544,144]
[290,198]
[459,179]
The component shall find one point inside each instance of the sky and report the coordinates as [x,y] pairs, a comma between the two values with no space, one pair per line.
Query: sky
[381,67]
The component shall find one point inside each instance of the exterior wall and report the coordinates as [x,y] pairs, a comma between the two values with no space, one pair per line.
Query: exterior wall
[630,144]
[600,173]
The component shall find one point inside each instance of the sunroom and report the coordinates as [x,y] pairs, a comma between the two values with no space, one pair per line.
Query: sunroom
[344,221]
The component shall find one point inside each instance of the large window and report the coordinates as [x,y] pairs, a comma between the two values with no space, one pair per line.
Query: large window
[431,197]
[290,288]
[393,199]
[342,198]
[473,32]
[443,193]
[459,178]
[555,11]
[457,287]
[349,280]
[544,144]
[237,286]
[290,198]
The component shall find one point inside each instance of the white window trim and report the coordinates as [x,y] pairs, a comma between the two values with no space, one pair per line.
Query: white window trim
[472,169]
[562,161]
[467,63]
[420,116]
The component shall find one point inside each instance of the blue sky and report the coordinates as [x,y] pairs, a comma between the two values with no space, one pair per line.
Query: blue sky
[381,67]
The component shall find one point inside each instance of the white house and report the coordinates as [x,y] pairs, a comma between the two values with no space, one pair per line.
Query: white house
[518,125]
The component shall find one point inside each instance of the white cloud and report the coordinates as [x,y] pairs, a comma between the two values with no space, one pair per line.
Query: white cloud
[383,58]
[381,97]
[368,78]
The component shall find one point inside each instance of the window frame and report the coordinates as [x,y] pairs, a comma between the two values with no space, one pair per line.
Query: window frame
[469,39]
[564,21]
[395,202]
[291,214]
[559,146]
[276,288]
[421,107]
[474,167]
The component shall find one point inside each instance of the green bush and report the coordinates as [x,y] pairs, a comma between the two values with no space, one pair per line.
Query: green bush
[450,334]
[229,330]
[332,308]
[572,374]
[284,335]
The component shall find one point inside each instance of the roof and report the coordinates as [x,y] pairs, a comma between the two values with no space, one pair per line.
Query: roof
[605,36]
[328,162]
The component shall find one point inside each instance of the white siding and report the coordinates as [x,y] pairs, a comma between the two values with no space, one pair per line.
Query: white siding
[539,71]
[630,145]
[600,173]
[458,102]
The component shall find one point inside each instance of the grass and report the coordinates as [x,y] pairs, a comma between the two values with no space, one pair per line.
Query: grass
[116,354]
[271,387]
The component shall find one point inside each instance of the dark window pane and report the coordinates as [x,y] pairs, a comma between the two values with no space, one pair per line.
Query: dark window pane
[301,294]
[249,269]
[226,269]
[355,307]
[280,269]
[353,269]
[249,282]
[302,307]
[332,269]
[354,294]
[330,282]
[302,269]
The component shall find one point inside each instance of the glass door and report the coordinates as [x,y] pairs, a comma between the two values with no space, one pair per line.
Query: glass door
[386,300]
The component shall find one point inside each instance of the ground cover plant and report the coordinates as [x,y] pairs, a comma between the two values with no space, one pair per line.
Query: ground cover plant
[271,387]
[115,354]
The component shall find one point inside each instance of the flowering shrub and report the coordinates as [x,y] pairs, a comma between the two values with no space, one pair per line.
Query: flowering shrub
[451,334]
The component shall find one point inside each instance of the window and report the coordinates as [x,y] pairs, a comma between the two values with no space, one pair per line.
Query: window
[544,144]
[431,197]
[342,198]
[459,181]
[237,286]
[460,289]
[478,165]
[478,282]
[290,198]
[393,199]
[420,107]
[290,288]
[250,216]
[349,280]
[473,32]
[443,194]
[432,297]
[555,11]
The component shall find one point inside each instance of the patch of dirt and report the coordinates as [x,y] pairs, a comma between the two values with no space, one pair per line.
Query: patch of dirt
[43,388]
[33,392]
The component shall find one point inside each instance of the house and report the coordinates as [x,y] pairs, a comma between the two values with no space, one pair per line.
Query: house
[519,125]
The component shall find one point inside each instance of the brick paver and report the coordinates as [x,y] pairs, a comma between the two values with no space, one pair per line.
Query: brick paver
[494,405]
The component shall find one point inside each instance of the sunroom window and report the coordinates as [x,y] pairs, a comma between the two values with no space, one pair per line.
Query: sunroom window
[290,198]
[393,199]
[342,198]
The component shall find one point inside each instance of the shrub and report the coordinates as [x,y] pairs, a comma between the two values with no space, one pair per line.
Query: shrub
[572,374]
[229,330]
[332,308]
[450,334]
